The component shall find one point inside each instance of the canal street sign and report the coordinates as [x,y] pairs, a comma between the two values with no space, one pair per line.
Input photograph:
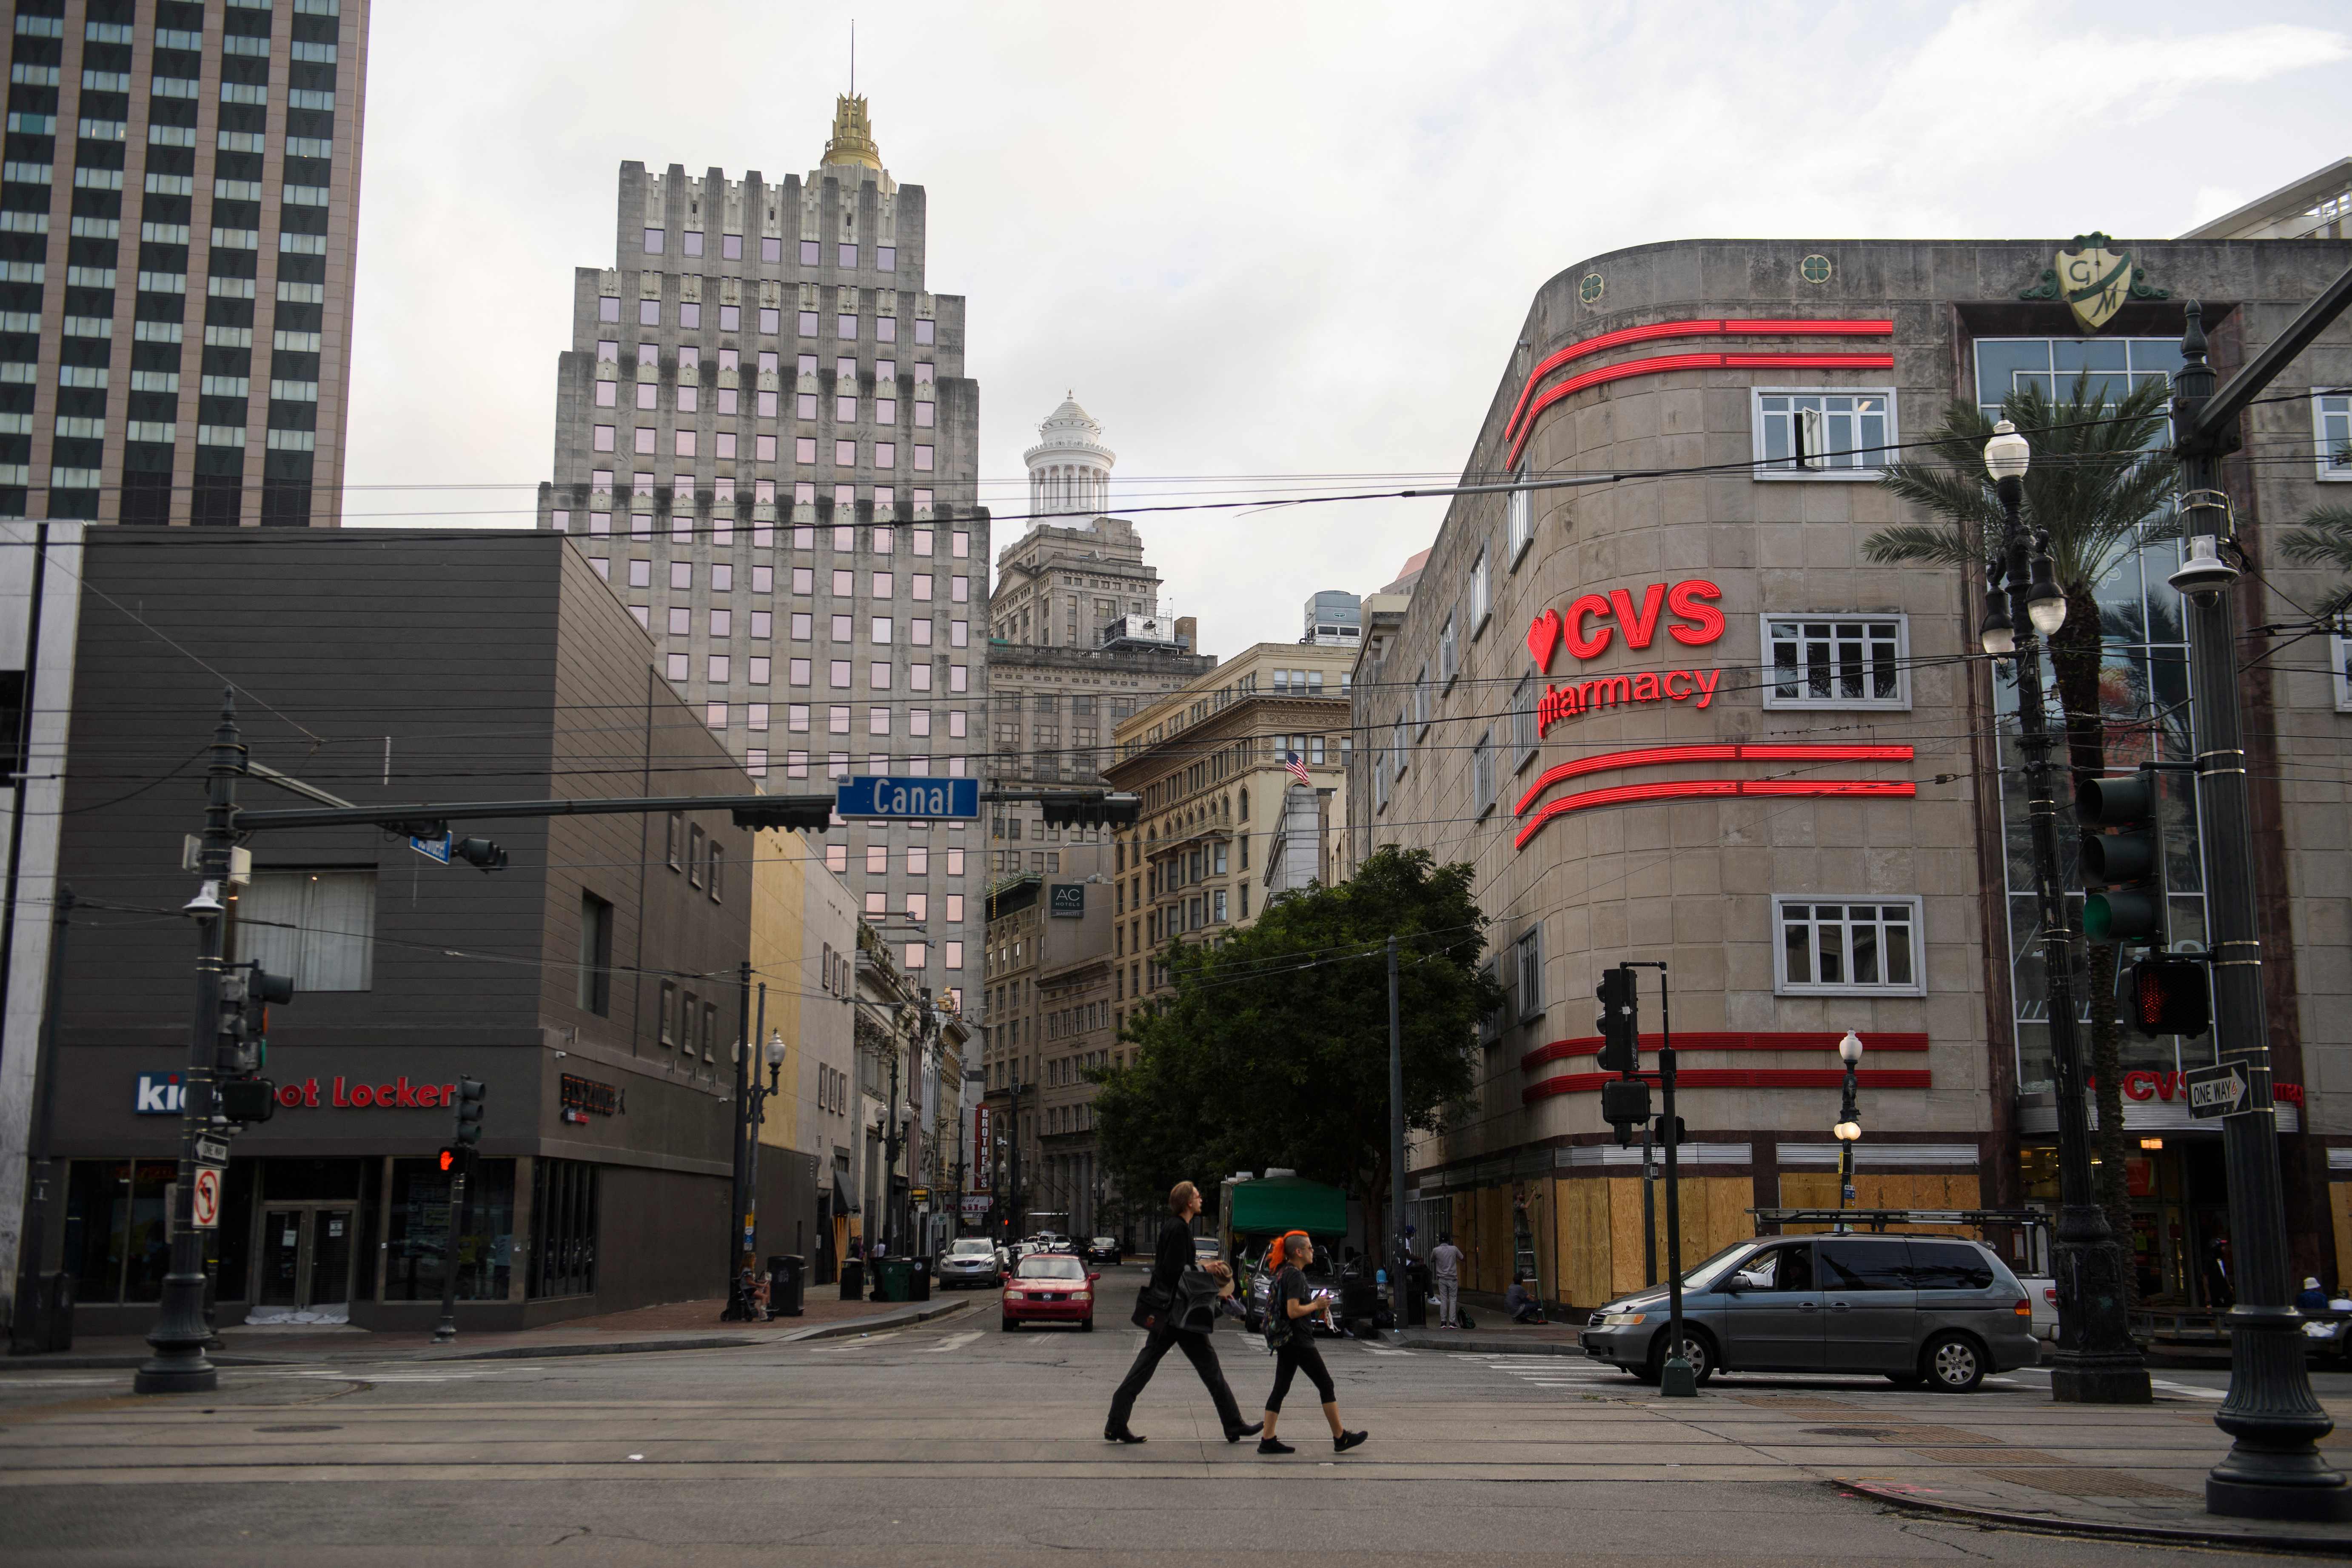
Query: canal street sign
[909,799]
[2222,1089]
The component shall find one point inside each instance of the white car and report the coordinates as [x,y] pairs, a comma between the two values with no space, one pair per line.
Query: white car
[970,1260]
[2043,1294]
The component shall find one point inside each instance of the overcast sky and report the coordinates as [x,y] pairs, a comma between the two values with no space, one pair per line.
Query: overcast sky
[1260,241]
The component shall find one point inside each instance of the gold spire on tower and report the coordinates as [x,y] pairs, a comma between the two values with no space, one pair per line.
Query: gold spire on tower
[852,141]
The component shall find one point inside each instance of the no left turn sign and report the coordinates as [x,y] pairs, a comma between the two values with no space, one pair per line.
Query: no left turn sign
[207,1197]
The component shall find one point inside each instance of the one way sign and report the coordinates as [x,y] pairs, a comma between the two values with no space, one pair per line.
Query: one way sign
[2222,1089]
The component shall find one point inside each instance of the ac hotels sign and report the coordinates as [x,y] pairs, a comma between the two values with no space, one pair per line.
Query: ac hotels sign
[1684,611]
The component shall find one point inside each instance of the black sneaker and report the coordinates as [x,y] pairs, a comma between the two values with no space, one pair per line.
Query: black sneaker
[1274,1446]
[1252,1430]
[1347,1440]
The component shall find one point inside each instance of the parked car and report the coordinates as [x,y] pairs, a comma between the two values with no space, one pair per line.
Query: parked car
[1940,1310]
[1102,1250]
[1205,1250]
[1049,1287]
[970,1260]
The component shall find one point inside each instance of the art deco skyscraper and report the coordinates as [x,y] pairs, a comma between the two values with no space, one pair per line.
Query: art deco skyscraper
[176,217]
[766,443]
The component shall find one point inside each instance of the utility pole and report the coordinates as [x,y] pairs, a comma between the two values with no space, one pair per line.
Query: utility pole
[179,1365]
[1013,1181]
[35,1328]
[1398,1285]
[1676,1378]
[738,1219]
[2273,1468]
[890,1151]
[1649,1210]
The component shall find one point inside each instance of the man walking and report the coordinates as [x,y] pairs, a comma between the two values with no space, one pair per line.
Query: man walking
[1446,1268]
[1173,1255]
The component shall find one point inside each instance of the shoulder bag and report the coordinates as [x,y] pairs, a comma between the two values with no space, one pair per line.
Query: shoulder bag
[1151,1304]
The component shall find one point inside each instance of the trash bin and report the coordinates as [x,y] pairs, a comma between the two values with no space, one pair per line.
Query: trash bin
[45,1315]
[893,1279]
[787,1284]
[1416,1295]
[852,1279]
[919,1284]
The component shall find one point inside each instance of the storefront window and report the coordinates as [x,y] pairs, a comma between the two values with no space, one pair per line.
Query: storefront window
[564,1212]
[2144,701]
[117,1241]
[416,1233]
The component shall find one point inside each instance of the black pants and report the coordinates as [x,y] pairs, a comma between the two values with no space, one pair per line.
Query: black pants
[1203,1357]
[1298,1355]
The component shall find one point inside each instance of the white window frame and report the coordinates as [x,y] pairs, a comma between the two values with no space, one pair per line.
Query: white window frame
[2340,644]
[1490,1023]
[1519,510]
[2325,442]
[1421,706]
[1756,426]
[1379,779]
[1482,775]
[1527,959]
[1449,652]
[1769,671]
[1400,747]
[1783,986]
[1482,594]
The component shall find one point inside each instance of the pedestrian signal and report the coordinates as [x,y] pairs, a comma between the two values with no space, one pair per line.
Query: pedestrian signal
[2170,996]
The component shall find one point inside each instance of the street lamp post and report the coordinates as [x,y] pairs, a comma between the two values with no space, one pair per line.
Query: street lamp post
[1848,1130]
[2095,1360]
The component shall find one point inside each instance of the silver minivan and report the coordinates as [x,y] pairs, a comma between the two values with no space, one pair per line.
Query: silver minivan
[1938,1309]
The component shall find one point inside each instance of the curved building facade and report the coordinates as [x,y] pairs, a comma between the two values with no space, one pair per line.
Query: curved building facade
[1681,717]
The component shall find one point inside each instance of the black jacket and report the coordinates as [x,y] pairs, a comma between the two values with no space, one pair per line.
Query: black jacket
[1173,1255]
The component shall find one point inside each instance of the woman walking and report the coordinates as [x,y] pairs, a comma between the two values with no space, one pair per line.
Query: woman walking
[1289,1305]
[1169,1262]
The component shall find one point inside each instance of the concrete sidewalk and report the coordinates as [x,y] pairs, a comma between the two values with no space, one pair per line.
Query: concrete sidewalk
[672,1326]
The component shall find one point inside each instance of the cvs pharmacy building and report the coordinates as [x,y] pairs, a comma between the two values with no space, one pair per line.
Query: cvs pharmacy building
[1690,716]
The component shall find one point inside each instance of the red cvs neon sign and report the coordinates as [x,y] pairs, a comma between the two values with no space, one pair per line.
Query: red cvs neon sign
[1684,611]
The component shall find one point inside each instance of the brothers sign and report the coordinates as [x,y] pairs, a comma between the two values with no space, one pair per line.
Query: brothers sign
[1684,611]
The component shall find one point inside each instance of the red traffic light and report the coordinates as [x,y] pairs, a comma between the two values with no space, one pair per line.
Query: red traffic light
[2170,996]
[449,1160]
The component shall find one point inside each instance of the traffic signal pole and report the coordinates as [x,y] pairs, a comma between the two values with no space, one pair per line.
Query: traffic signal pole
[179,1337]
[2273,1468]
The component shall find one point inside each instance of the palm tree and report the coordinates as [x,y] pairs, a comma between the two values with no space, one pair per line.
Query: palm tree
[2323,540]
[2094,486]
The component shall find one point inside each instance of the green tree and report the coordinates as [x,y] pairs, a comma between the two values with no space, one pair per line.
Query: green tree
[1274,1048]
[2095,482]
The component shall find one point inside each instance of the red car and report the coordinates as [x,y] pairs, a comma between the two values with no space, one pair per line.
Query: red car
[1049,1287]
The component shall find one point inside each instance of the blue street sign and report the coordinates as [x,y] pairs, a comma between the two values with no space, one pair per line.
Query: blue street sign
[432,848]
[910,799]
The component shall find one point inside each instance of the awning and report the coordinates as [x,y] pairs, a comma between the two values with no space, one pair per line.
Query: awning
[1275,1204]
[843,1202]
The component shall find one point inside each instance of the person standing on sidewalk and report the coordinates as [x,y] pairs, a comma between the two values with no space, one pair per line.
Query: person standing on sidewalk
[1169,1262]
[1288,1309]
[1446,1268]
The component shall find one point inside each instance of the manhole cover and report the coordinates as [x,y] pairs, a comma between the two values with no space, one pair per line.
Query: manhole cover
[297,1429]
[1852,1431]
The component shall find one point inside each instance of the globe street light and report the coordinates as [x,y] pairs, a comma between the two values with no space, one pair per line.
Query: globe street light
[2095,1361]
[1848,1130]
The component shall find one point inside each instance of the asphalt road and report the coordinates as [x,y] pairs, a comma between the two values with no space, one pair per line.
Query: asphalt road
[952,1443]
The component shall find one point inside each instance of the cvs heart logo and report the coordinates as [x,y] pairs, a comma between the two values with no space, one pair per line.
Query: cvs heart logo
[1543,638]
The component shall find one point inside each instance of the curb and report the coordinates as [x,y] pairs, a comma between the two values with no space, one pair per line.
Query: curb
[1477,1346]
[2100,1530]
[900,1320]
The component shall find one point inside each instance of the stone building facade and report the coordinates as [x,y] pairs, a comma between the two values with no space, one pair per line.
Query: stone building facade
[766,443]
[1682,718]
[177,215]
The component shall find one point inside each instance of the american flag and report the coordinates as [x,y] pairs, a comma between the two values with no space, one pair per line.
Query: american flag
[1296,768]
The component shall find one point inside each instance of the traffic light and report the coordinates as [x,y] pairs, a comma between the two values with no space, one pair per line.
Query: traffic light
[2170,996]
[486,853]
[2124,862]
[245,1099]
[810,814]
[1625,1105]
[1620,1021]
[470,1096]
[1116,809]
[449,1158]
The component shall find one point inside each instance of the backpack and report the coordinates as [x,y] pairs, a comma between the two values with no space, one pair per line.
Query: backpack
[1461,1316]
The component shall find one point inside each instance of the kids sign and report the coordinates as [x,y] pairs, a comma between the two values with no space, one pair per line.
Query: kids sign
[1684,611]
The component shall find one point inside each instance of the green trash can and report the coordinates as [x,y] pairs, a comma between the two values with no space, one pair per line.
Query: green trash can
[894,1278]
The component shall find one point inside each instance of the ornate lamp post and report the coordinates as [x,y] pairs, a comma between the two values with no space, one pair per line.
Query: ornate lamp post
[1848,1130]
[2095,1360]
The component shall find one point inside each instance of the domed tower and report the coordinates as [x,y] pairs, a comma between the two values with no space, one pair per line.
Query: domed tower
[1069,468]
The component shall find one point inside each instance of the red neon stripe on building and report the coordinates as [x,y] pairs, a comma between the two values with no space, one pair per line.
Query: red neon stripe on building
[1767,752]
[1728,1040]
[1738,1077]
[1691,789]
[1665,362]
[1749,327]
